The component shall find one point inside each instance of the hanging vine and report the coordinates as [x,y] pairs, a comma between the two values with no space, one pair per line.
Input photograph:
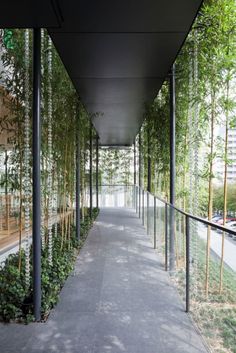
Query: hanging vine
[27,176]
[49,166]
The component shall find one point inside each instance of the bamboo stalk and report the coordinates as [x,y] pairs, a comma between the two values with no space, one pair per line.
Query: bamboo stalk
[225,190]
[210,195]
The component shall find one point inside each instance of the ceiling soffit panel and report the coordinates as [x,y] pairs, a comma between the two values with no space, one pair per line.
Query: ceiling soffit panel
[128,15]
[30,13]
[117,53]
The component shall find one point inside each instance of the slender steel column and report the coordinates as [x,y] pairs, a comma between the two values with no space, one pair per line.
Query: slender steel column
[166,237]
[135,169]
[97,163]
[135,178]
[149,163]
[78,184]
[155,223]
[143,210]
[140,175]
[148,213]
[172,169]
[36,173]
[149,177]
[91,172]
[187,264]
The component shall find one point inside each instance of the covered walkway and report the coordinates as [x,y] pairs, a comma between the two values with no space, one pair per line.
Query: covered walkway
[119,299]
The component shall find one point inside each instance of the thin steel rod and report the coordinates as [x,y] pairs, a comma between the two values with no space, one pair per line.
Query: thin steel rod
[148,212]
[36,173]
[140,175]
[91,173]
[136,198]
[97,164]
[78,185]
[149,162]
[172,169]
[166,237]
[135,179]
[143,208]
[155,223]
[187,235]
[135,167]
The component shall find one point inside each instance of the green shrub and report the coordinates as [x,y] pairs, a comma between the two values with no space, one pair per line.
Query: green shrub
[16,301]
[12,289]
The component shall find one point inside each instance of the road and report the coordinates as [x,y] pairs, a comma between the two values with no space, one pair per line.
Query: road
[216,245]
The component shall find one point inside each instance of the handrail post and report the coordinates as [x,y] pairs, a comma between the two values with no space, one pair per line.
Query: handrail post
[136,197]
[148,213]
[155,224]
[135,201]
[139,173]
[166,237]
[187,263]
[139,204]
[143,208]
[91,172]
[172,170]
[78,184]
[135,177]
[97,164]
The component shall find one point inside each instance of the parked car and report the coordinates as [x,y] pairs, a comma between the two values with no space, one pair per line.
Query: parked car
[234,236]
[228,219]
[231,224]
[228,222]
[231,235]
[215,218]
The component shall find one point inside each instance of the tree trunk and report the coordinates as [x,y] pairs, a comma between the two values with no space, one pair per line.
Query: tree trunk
[225,187]
[210,195]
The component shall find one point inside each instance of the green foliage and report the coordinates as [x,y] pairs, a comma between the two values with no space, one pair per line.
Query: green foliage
[8,39]
[12,289]
[229,332]
[211,48]
[115,166]
[16,301]
[219,198]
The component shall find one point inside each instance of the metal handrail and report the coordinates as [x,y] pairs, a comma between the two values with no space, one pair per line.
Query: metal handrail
[111,185]
[196,218]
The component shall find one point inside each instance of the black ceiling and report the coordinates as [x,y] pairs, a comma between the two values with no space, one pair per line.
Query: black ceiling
[117,53]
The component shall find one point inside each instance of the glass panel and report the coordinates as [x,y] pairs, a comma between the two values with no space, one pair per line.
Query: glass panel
[145,209]
[160,227]
[116,196]
[150,215]
[179,274]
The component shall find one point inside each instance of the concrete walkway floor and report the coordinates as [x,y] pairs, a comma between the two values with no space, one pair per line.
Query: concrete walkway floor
[119,299]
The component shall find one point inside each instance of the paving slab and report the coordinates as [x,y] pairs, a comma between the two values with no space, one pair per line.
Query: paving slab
[117,299]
